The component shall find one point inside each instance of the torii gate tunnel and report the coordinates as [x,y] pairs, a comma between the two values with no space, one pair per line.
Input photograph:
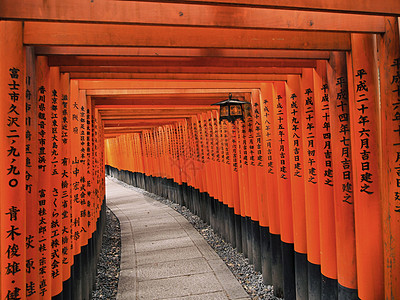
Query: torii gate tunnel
[307,186]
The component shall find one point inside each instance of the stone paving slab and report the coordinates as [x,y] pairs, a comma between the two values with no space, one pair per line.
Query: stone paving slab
[163,256]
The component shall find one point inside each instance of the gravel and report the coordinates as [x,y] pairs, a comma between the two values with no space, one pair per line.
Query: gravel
[250,279]
[108,266]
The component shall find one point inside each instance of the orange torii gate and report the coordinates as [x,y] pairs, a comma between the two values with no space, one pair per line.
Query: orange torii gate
[307,186]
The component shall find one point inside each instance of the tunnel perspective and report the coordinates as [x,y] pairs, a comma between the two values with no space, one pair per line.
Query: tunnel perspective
[306,186]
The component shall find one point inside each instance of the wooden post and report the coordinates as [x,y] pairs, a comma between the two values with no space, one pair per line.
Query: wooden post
[66,199]
[325,184]
[55,177]
[342,175]
[266,102]
[12,165]
[297,167]
[389,70]
[32,148]
[284,188]
[311,184]
[44,182]
[365,128]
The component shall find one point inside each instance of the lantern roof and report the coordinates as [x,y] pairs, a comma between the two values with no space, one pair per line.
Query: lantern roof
[231,100]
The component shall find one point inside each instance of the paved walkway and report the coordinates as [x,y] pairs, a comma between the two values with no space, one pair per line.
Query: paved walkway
[163,256]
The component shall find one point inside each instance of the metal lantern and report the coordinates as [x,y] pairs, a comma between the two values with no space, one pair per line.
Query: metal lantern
[231,109]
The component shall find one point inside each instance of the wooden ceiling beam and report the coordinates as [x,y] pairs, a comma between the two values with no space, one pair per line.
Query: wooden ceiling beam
[386,7]
[174,99]
[127,92]
[179,52]
[181,76]
[184,115]
[183,14]
[225,62]
[179,69]
[78,34]
[161,86]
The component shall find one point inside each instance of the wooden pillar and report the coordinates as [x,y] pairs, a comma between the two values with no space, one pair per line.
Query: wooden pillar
[325,183]
[311,184]
[297,168]
[365,129]
[55,173]
[389,70]
[266,103]
[66,199]
[31,136]
[342,175]
[44,178]
[12,165]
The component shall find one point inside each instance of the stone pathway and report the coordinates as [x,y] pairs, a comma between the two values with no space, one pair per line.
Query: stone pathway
[163,256]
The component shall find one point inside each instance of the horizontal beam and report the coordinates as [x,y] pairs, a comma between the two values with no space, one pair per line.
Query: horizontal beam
[180,76]
[76,34]
[135,12]
[127,92]
[175,99]
[179,52]
[154,111]
[149,116]
[386,7]
[225,62]
[140,120]
[161,85]
[178,69]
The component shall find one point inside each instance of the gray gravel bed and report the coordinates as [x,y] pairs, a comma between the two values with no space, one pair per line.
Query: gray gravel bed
[108,266]
[250,279]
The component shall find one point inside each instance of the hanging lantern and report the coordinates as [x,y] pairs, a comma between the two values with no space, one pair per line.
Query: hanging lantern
[231,109]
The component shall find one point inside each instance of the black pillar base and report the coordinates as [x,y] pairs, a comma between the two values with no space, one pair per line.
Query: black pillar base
[314,281]
[329,288]
[276,265]
[238,233]
[345,293]
[265,255]
[255,228]
[301,274]
[289,286]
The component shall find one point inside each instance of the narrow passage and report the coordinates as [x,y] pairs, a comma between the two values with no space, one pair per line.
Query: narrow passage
[163,256]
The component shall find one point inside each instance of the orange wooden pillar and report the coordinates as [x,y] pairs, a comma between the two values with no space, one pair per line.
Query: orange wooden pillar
[76,173]
[31,136]
[297,166]
[55,190]
[389,70]
[280,133]
[44,176]
[365,128]
[311,184]
[242,187]
[234,158]
[325,183]
[266,103]
[265,245]
[12,174]
[252,198]
[66,199]
[342,175]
